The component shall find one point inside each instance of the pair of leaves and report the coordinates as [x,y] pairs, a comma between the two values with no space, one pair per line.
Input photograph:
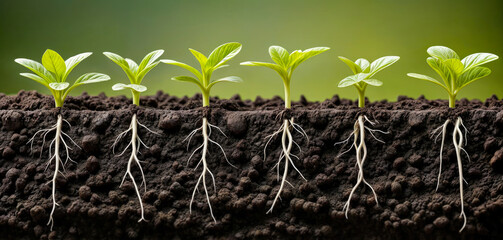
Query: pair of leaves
[286,63]
[364,71]
[135,72]
[455,73]
[358,79]
[54,71]
[216,60]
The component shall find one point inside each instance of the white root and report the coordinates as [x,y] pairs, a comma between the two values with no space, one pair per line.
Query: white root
[135,149]
[444,130]
[286,154]
[56,142]
[459,139]
[206,132]
[359,133]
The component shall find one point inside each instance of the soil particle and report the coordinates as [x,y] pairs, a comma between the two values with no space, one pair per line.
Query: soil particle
[237,124]
[85,193]
[415,160]
[496,161]
[398,163]
[171,122]
[12,121]
[8,153]
[91,144]
[92,164]
[396,188]
[416,120]
[441,222]
[38,213]
[490,144]
[402,210]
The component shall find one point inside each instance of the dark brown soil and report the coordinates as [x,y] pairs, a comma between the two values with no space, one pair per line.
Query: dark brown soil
[403,171]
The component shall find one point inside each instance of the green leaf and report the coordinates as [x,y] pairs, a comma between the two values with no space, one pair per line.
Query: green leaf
[132,66]
[222,54]
[134,87]
[441,69]
[37,68]
[427,78]
[183,65]
[354,67]
[123,64]
[200,57]
[272,66]
[279,55]
[472,75]
[363,63]
[72,62]
[309,53]
[454,65]
[221,66]
[142,74]
[373,82]
[58,86]
[150,59]
[233,79]
[381,64]
[477,59]
[352,80]
[54,63]
[442,53]
[35,78]
[294,57]
[188,79]
[92,78]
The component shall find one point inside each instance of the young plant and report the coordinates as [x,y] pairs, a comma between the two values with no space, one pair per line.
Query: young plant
[285,64]
[135,73]
[455,75]
[362,78]
[216,60]
[364,71]
[52,73]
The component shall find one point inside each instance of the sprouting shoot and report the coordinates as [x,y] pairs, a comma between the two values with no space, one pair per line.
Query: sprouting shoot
[135,73]
[53,73]
[285,64]
[455,75]
[216,60]
[364,72]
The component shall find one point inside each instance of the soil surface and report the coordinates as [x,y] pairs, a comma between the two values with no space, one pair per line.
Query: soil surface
[403,170]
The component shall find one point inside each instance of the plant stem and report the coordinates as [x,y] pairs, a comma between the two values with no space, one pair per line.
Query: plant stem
[136,97]
[452,101]
[58,100]
[288,101]
[361,98]
[206,98]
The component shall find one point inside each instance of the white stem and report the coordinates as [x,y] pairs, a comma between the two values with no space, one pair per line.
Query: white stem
[457,138]
[57,159]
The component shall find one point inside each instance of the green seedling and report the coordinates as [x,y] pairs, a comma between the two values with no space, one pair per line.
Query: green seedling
[135,73]
[285,64]
[455,75]
[364,72]
[216,60]
[52,73]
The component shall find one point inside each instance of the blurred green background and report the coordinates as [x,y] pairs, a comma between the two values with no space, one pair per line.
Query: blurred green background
[356,28]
